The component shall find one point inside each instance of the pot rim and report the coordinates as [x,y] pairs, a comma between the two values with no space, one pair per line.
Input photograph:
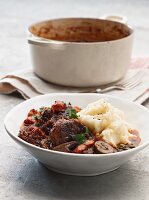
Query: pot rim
[33,39]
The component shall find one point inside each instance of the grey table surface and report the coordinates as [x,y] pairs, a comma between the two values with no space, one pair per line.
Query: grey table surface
[23,177]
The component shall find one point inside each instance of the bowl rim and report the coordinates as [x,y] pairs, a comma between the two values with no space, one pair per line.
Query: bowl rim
[34,39]
[19,140]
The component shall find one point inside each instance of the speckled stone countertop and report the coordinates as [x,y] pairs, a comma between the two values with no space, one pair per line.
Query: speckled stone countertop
[21,176]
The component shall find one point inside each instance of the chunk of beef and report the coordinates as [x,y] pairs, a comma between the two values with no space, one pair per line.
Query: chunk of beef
[50,115]
[46,115]
[46,143]
[32,134]
[47,127]
[56,117]
[64,131]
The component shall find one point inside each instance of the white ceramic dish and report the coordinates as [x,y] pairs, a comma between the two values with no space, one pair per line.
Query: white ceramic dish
[79,164]
[80,64]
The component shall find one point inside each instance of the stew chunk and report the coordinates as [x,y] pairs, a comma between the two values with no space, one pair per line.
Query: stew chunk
[64,130]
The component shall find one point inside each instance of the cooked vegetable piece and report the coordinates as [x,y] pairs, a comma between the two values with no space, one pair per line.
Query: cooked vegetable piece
[103,147]
[134,132]
[89,143]
[72,145]
[89,151]
[80,148]
[32,112]
[122,147]
[29,121]
[77,109]
[58,106]
[135,141]
[66,147]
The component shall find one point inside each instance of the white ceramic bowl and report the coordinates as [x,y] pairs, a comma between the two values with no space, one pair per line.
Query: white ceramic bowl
[79,164]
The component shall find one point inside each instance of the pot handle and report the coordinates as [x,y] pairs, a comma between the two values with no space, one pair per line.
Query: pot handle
[39,39]
[117,18]
[45,42]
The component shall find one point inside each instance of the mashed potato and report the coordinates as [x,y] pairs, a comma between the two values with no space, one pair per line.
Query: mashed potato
[101,117]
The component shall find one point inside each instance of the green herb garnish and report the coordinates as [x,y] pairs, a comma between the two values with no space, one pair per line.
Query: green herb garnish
[87,130]
[80,137]
[72,113]
[41,109]
[36,124]
[36,117]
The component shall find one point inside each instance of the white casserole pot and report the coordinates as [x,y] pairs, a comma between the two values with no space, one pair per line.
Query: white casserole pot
[81,52]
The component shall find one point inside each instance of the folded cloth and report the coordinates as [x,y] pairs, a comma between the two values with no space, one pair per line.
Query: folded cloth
[140,93]
[29,85]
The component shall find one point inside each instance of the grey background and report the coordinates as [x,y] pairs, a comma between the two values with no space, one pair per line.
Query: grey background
[21,176]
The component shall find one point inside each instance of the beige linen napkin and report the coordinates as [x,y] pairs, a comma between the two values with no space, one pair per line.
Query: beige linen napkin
[139,93]
[29,85]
